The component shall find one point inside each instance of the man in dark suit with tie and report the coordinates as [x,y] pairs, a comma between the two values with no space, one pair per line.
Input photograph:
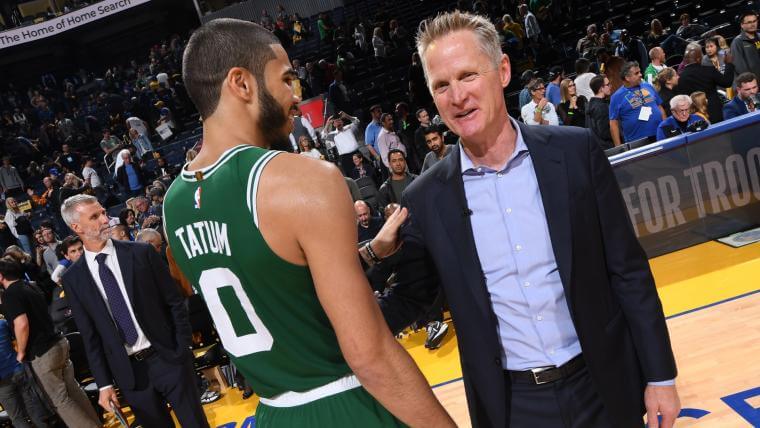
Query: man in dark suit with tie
[133,321]
[746,96]
[557,316]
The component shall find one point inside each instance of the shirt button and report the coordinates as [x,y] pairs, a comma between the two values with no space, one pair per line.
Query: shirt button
[526,284]
[509,210]
[518,247]
[499,175]
[539,317]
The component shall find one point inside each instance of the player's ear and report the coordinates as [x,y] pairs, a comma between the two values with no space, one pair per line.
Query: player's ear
[241,84]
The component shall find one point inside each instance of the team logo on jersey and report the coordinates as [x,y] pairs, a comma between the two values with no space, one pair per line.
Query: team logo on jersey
[197,198]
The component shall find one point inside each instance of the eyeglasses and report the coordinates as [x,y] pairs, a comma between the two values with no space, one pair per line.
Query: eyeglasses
[540,88]
[681,110]
[572,85]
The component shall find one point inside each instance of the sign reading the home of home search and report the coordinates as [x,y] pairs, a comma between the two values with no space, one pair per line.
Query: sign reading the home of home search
[693,188]
[30,33]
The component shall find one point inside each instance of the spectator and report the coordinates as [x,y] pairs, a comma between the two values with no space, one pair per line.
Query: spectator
[338,94]
[400,179]
[715,53]
[70,250]
[120,232]
[746,46]
[665,84]
[109,143]
[361,168]
[613,67]
[406,125]
[49,255]
[379,44]
[539,111]
[631,48]
[325,27]
[128,218]
[423,117]
[598,111]
[142,143]
[583,78]
[307,148]
[438,150]
[681,121]
[129,175]
[302,127]
[72,185]
[552,89]
[25,307]
[588,43]
[154,238]
[266,20]
[697,77]
[526,80]
[532,29]
[657,64]
[367,224]
[686,30]
[419,94]
[635,108]
[92,179]
[397,35]
[374,127]
[18,223]
[746,98]
[10,180]
[344,138]
[513,27]
[147,215]
[68,160]
[7,239]
[388,140]
[656,35]
[17,394]
[699,105]
[572,109]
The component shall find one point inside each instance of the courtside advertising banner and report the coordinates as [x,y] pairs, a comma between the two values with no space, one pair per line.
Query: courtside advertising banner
[94,12]
[695,188]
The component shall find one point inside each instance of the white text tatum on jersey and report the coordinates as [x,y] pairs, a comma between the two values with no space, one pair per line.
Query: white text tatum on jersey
[197,198]
[204,237]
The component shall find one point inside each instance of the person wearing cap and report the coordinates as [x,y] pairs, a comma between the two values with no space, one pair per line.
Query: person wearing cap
[553,93]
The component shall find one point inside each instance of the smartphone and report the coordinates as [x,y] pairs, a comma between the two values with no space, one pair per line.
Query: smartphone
[119,415]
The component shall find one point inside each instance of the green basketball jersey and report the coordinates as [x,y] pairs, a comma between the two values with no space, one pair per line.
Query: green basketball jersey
[265,309]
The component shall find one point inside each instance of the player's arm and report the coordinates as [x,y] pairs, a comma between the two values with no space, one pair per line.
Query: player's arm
[328,242]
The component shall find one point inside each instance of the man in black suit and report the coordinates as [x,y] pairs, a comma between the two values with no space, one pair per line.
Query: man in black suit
[557,316]
[746,98]
[706,78]
[133,321]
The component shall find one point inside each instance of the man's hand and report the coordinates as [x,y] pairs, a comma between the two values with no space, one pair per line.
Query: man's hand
[108,396]
[384,244]
[20,357]
[542,103]
[663,400]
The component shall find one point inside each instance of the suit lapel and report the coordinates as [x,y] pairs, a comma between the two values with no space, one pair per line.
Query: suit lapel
[551,173]
[89,288]
[452,207]
[126,265]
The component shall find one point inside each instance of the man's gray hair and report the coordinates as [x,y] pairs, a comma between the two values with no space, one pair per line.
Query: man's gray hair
[627,68]
[144,234]
[680,99]
[446,23]
[69,207]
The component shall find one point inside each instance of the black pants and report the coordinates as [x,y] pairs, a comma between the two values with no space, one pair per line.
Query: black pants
[158,382]
[571,402]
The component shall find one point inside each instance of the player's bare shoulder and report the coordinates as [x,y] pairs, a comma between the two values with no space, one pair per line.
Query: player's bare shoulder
[298,175]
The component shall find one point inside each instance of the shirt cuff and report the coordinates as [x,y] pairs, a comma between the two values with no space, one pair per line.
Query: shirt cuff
[105,387]
[670,382]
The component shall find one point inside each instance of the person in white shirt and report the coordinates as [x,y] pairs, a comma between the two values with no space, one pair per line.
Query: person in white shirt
[138,125]
[344,138]
[301,127]
[539,111]
[387,139]
[92,179]
[583,79]
[307,148]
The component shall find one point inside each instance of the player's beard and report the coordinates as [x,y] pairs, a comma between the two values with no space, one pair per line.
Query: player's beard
[272,122]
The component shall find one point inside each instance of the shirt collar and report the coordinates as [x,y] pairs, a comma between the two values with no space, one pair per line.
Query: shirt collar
[107,249]
[469,168]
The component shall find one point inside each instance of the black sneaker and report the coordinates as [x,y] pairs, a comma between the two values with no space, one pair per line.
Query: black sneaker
[436,332]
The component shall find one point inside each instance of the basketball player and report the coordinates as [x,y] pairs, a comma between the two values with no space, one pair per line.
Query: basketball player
[269,240]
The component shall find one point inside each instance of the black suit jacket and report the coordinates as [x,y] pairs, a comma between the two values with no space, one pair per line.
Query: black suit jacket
[706,78]
[156,302]
[608,285]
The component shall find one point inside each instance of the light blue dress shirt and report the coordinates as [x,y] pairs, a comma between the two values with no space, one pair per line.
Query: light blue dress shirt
[516,255]
[371,133]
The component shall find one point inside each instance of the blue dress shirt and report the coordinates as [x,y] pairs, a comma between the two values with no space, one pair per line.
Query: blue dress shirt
[516,255]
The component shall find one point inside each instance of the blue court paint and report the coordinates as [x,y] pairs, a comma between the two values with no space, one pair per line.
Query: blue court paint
[738,402]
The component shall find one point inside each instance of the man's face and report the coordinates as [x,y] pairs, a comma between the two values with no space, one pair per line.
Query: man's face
[362,214]
[607,88]
[388,123]
[397,163]
[155,241]
[92,223]
[749,24]
[466,88]
[276,97]
[681,112]
[48,236]
[538,92]
[376,113]
[119,233]
[141,205]
[74,252]
[65,148]
[746,90]
[634,76]
[424,117]
[434,142]
[338,122]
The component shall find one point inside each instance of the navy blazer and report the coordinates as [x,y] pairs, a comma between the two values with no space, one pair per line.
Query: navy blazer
[734,108]
[605,273]
[156,302]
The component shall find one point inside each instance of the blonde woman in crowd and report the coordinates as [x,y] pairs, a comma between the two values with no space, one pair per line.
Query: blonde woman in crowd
[699,105]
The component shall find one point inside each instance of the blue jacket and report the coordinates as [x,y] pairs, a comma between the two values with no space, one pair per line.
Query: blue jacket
[734,108]
[669,127]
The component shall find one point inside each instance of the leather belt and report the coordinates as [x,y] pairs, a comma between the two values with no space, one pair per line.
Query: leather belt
[542,375]
[143,355]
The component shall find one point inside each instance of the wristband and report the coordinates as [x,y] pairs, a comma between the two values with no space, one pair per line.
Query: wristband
[371,253]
